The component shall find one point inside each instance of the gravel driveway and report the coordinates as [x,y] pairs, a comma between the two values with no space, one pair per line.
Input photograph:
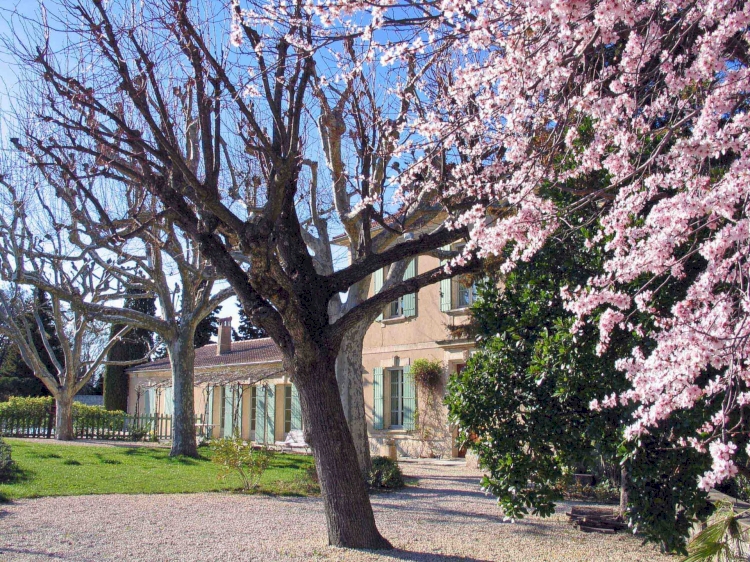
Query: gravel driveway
[445,517]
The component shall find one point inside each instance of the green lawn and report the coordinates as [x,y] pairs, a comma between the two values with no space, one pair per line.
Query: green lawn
[52,469]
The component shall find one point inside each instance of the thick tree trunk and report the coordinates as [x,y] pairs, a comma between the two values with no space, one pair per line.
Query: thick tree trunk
[182,358]
[64,417]
[351,522]
[624,480]
[349,372]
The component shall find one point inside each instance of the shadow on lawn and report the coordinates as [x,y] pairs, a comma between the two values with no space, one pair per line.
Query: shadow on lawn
[162,455]
[16,476]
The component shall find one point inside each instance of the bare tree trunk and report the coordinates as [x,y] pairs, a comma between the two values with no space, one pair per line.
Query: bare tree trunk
[349,372]
[351,522]
[64,416]
[182,358]
[624,481]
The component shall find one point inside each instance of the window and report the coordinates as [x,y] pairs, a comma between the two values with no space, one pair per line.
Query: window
[397,397]
[223,408]
[406,305]
[253,406]
[464,290]
[287,408]
[396,308]
[458,292]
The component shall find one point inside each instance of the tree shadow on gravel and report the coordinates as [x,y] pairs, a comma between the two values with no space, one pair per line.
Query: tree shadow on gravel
[415,556]
[27,551]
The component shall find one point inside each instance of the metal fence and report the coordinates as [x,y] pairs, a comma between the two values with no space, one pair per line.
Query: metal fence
[94,425]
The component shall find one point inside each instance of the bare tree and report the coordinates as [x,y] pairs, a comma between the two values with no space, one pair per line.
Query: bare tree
[31,254]
[236,190]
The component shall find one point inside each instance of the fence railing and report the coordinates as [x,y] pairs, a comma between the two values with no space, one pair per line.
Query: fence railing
[94,425]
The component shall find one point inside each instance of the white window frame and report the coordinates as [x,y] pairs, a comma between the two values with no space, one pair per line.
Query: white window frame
[287,408]
[399,397]
[253,410]
[456,287]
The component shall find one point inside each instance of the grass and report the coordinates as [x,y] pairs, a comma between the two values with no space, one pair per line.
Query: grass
[53,469]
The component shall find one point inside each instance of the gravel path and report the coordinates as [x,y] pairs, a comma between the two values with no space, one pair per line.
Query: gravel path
[444,518]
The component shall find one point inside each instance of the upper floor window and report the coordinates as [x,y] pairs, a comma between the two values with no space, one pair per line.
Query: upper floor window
[405,306]
[457,292]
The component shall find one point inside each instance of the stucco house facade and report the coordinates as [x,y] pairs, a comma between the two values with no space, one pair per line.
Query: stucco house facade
[241,386]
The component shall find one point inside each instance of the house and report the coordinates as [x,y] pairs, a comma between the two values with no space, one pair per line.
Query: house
[241,386]
[417,326]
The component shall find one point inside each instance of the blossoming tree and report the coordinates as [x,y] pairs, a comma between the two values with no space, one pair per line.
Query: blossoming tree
[650,97]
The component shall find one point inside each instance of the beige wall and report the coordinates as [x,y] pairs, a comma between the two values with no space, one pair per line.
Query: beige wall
[424,336]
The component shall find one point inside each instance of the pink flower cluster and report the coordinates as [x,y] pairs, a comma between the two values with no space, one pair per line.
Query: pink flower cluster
[722,467]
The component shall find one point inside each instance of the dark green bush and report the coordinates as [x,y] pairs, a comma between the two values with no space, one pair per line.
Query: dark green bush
[6,462]
[385,473]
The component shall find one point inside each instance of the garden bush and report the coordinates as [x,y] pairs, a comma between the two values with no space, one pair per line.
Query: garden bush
[6,462]
[385,473]
[233,455]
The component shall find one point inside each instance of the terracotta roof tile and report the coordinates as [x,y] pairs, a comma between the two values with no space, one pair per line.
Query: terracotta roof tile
[263,350]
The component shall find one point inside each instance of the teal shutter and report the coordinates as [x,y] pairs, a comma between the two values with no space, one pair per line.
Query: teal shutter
[445,288]
[410,398]
[296,409]
[377,403]
[210,411]
[260,414]
[147,402]
[410,300]
[228,403]
[377,280]
[270,414]
[238,420]
[168,401]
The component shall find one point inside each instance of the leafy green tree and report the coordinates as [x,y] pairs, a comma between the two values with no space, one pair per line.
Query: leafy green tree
[134,346]
[247,331]
[523,402]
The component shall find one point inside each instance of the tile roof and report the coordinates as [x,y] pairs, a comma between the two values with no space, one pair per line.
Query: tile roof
[262,350]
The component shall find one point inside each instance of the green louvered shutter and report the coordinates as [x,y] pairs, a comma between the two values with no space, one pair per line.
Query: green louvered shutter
[228,403]
[211,410]
[296,409]
[445,287]
[410,300]
[168,401]
[377,403]
[270,414]
[377,280]
[410,398]
[260,414]
[147,402]
[238,399]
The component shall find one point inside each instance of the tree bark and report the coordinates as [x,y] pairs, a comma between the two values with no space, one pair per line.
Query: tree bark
[182,359]
[351,522]
[624,480]
[64,417]
[349,372]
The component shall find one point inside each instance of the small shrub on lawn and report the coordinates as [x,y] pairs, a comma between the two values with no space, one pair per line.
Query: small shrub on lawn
[233,455]
[6,462]
[385,473]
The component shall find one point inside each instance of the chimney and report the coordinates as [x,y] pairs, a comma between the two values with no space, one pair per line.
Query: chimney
[224,340]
